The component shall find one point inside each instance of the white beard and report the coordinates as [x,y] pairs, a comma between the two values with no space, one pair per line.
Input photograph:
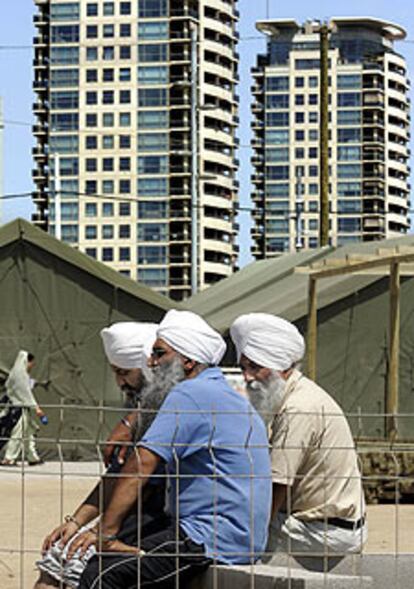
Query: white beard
[164,378]
[267,398]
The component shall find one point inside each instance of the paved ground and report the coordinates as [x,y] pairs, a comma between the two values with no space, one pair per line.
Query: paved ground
[35,500]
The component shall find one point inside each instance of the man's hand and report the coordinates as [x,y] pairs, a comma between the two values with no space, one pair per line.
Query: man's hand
[64,533]
[121,434]
[82,542]
[101,542]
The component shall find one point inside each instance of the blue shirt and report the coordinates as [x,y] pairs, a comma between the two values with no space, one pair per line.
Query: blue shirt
[216,450]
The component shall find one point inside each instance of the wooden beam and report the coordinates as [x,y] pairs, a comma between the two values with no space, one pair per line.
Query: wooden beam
[394,353]
[311,335]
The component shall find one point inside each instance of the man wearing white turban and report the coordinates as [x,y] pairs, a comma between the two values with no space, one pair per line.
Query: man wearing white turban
[215,449]
[318,501]
[127,347]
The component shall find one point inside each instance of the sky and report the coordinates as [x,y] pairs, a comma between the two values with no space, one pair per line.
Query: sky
[16,32]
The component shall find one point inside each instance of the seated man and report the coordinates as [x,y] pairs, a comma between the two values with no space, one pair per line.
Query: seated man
[318,502]
[216,451]
[127,347]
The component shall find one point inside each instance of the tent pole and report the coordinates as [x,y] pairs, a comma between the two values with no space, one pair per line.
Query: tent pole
[312,328]
[393,373]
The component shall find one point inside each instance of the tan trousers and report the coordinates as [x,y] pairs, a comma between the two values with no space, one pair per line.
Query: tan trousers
[22,439]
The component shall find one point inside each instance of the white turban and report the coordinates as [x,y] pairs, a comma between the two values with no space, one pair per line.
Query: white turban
[128,344]
[192,337]
[267,340]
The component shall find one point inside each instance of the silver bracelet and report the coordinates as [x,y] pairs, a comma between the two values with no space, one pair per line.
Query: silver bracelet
[71,518]
[126,422]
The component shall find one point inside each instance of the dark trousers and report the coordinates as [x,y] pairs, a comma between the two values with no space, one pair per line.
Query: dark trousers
[169,555]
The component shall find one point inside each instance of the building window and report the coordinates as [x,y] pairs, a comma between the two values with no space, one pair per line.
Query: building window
[91,55]
[91,232]
[152,210]
[108,97]
[108,164]
[299,117]
[349,81]
[313,171]
[351,135]
[313,189]
[153,97]
[90,164]
[124,30]
[91,75]
[152,30]
[124,232]
[153,74]
[313,206]
[299,99]
[349,225]
[277,119]
[108,75]
[277,172]
[91,32]
[125,74]
[64,77]
[313,81]
[92,9]
[124,141]
[348,153]
[65,34]
[90,209]
[153,142]
[108,119]
[125,8]
[124,96]
[313,153]
[313,99]
[108,142]
[152,8]
[124,52]
[107,254]
[108,53]
[313,135]
[349,170]
[299,153]
[91,98]
[153,276]
[124,119]
[276,83]
[107,231]
[299,135]
[313,225]
[152,164]
[124,186]
[124,254]
[152,231]
[109,8]
[299,82]
[152,187]
[90,187]
[64,122]
[108,31]
[124,164]
[153,119]
[349,99]
[124,209]
[107,209]
[313,117]
[64,55]
[108,186]
[278,154]
[277,101]
[152,254]
[91,252]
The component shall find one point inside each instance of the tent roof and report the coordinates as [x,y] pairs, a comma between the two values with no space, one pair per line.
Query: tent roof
[23,231]
[273,285]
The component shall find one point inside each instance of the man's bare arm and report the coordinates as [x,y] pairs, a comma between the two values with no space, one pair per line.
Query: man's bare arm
[128,488]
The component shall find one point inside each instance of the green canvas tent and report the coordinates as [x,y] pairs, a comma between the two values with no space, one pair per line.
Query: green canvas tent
[353,326]
[54,301]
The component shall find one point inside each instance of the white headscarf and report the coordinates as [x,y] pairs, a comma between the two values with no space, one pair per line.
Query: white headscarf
[128,344]
[267,340]
[18,386]
[192,337]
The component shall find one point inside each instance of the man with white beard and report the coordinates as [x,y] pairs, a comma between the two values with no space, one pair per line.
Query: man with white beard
[318,502]
[127,347]
[215,449]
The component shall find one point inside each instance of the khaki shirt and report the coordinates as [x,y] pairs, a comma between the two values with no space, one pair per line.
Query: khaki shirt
[313,453]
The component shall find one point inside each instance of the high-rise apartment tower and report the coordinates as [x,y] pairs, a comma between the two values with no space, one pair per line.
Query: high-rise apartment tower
[369,124]
[136,114]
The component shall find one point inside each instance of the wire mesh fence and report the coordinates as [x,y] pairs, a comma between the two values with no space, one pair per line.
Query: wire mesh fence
[35,500]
